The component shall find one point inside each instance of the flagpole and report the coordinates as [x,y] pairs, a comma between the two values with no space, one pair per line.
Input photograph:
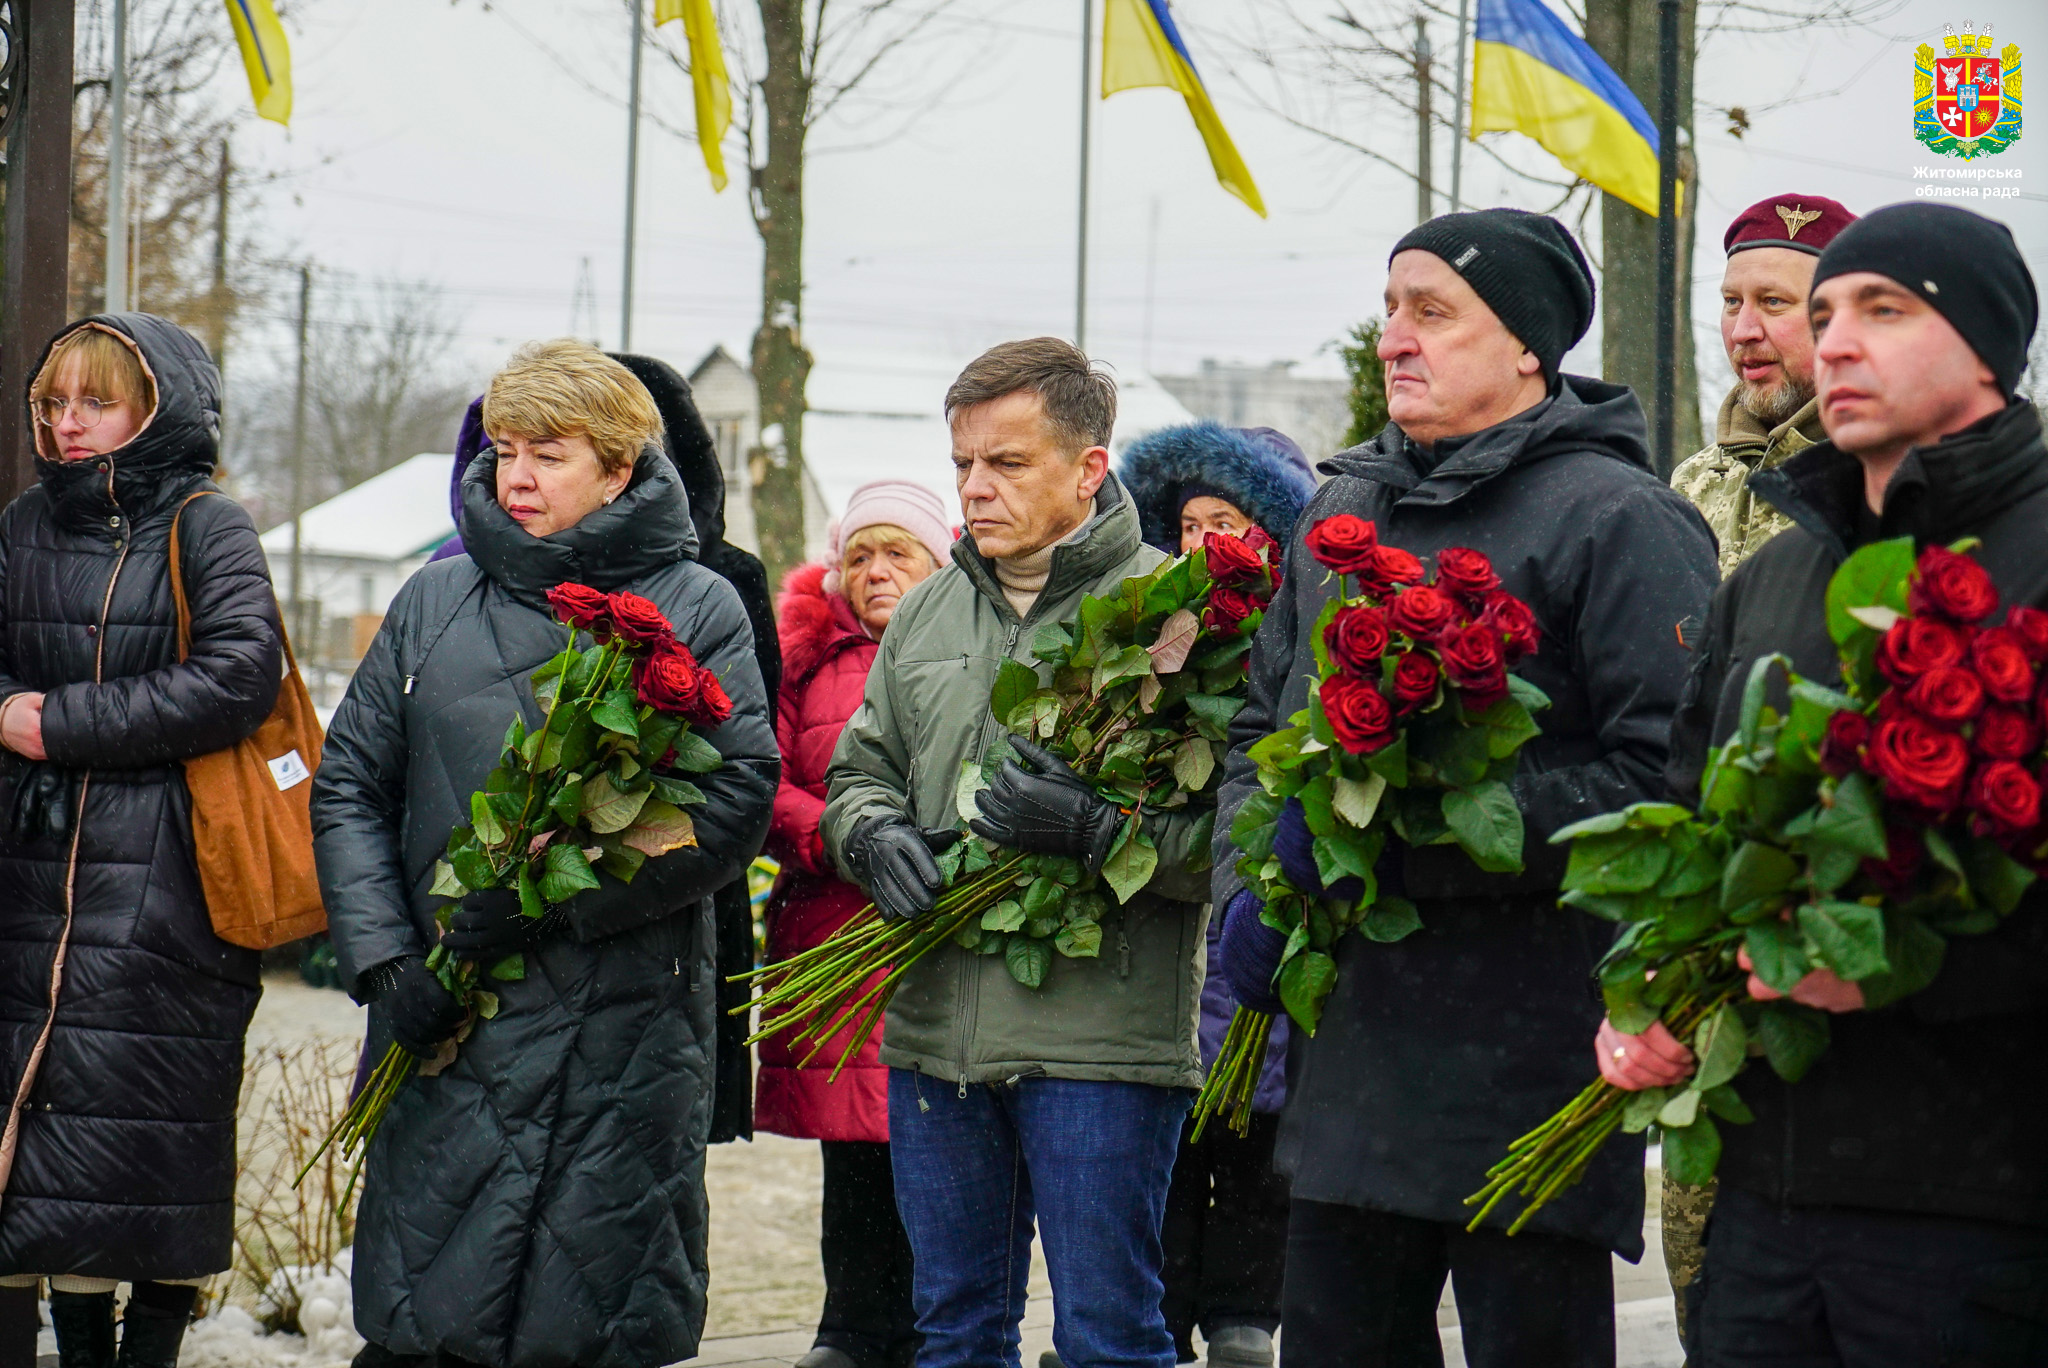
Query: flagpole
[117,165]
[1458,116]
[632,184]
[1081,246]
[1667,231]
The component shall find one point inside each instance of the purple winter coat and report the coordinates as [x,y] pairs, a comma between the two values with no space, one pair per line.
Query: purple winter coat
[1218,1006]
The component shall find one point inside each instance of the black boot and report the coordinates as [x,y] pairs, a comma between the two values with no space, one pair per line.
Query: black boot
[84,1322]
[154,1325]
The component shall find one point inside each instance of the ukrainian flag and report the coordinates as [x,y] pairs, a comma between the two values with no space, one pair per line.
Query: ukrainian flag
[708,81]
[266,55]
[1142,47]
[1531,74]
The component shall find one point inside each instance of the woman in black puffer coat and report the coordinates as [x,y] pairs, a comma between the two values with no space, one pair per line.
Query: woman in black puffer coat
[118,1156]
[540,1203]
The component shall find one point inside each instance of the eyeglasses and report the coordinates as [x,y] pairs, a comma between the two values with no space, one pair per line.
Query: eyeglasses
[50,410]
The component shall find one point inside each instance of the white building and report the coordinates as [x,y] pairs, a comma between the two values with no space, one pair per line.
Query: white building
[1314,410]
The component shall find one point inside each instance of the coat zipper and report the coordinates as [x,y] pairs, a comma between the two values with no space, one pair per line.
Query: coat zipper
[11,1136]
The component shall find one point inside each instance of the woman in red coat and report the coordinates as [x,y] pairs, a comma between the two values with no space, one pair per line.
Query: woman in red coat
[831,620]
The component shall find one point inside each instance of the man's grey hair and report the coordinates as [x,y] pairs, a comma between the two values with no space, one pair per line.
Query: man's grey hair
[1080,400]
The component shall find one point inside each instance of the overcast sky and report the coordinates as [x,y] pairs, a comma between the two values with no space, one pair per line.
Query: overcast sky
[481,147]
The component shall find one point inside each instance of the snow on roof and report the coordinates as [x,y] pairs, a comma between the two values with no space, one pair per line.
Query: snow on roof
[400,513]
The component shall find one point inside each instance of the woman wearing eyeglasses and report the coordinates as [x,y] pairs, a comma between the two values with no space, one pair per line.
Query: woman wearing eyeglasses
[121,1013]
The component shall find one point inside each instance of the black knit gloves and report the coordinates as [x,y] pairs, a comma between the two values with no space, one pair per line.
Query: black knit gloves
[422,1013]
[1054,810]
[893,860]
[488,926]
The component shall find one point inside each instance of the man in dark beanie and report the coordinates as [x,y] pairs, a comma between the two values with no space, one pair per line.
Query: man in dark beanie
[1433,1053]
[1891,1208]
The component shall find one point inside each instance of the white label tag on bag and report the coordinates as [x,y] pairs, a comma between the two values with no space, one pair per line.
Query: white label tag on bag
[289,770]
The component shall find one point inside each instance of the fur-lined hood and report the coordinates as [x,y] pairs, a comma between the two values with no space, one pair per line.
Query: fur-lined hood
[1260,470]
[813,623]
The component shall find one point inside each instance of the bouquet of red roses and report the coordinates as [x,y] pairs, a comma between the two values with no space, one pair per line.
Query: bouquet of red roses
[1412,727]
[1141,690]
[1854,832]
[596,786]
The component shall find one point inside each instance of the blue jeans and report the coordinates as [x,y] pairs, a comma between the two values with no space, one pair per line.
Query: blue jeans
[1092,1161]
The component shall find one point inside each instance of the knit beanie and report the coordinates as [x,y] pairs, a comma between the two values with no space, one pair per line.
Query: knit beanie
[1527,268]
[1964,265]
[897,503]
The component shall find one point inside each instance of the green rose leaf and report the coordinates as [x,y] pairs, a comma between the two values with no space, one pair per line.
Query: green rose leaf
[1856,820]
[1194,760]
[1683,1107]
[510,969]
[1357,801]
[1914,951]
[531,904]
[1212,714]
[681,792]
[606,809]
[1508,725]
[1130,866]
[1727,1104]
[567,801]
[1995,876]
[1027,960]
[1079,940]
[1391,918]
[1625,861]
[567,873]
[1793,1036]
[965,787]
[1015,682]
[694,754]
[1720,1045]
[484,821]
[1850,937]
[1692,1153]
[1487,824]
[1777,953]
[1874,576]
[615,712]
[1756,871]
[1007,915]
[1639,1113]
[446,882]
[1305,981]
[660,828]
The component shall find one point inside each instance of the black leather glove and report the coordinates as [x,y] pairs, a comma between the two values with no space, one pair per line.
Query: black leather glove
[893,860]
[489,925]
[1053,810]
[422,1013]
[42,803]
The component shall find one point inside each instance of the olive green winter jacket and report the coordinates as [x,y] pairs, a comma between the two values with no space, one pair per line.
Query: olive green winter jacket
[1127,1016]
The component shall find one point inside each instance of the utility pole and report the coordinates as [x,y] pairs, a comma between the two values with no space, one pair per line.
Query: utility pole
[1459,117]
[1151,277]
[1664,433]
[217,325]
[1425,206]
[299,454]
[117,165]
[632,183]
[1081,249]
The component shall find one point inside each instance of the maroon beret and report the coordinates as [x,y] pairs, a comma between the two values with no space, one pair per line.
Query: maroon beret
[1805,223]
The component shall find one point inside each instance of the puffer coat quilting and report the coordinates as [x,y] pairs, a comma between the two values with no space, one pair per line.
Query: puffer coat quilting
[540,1204]
[125,1162]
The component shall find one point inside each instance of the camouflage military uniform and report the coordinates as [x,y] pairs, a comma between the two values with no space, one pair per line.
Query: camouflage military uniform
[1717,480]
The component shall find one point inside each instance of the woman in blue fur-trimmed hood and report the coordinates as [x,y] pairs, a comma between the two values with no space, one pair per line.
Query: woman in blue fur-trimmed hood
[1226,1214]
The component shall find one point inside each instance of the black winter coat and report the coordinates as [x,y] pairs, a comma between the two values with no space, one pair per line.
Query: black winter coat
[1434,1053]
[1937,1103]
[540,1204]
[125,1165]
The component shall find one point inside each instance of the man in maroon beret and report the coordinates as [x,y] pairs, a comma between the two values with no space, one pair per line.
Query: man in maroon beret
[1769,416]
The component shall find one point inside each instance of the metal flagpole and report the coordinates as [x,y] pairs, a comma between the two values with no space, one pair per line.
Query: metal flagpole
[1081,249]
[1667,231]
[632,184]
[1458,116]
[117,164]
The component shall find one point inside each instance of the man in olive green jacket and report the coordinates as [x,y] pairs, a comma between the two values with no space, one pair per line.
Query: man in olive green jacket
[1065,1101]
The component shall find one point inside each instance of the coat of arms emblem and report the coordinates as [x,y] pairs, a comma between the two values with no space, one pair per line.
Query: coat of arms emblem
[1966,100]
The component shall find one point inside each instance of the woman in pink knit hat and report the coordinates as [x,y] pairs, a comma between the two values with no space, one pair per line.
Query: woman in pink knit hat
[831,619]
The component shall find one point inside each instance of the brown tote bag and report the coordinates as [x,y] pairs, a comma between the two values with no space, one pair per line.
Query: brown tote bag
[252,823]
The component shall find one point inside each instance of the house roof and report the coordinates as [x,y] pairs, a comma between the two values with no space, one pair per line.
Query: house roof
[394,516]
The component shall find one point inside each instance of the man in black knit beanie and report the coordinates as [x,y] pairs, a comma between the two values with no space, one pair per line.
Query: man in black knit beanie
[1890,1209]
[1435,1051]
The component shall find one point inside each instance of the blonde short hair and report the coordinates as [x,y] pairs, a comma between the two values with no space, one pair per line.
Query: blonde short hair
[109,367]
[567,388]
[880,537]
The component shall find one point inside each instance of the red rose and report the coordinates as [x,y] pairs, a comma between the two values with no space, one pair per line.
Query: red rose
[1947,697]
[1465,572]
[713,707]
[1841,748]
[1416,676]
[1356,639]
[2004,733]
[2030,625]
[1390,566]
[1512,618]
[2004,799]
[1951,585]
[639,621]
[582,607]
[1232,561]
[1227,610]
[1917,762]
[1421,612]
[1473,662]
[1916,645]
[1357,713]
[2000,659]
[1905,854]
[669,681]
[1343,543]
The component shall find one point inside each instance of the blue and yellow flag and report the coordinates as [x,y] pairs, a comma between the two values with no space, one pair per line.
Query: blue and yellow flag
[1531,74]
[1142,47]
[266,55]
[707,78]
